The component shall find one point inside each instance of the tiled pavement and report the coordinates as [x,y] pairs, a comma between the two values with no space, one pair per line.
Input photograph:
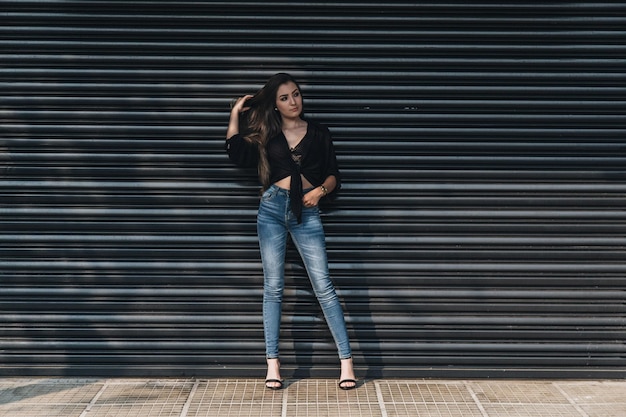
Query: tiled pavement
[37,397]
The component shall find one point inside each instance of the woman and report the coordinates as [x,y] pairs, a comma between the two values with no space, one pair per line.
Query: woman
[297,167]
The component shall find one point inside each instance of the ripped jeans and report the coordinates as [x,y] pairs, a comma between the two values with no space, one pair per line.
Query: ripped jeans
[274,220]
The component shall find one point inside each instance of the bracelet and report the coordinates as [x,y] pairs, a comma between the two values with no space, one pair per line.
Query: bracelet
[324,190]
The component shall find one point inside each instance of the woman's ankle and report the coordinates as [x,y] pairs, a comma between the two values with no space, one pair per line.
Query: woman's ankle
[273,366]
[347,367]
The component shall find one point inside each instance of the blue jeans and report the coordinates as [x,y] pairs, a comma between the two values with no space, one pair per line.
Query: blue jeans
[274,220]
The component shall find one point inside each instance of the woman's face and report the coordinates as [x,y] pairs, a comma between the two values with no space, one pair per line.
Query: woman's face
[289,100]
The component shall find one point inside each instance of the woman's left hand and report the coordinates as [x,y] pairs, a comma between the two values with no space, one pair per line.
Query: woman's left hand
[312,198]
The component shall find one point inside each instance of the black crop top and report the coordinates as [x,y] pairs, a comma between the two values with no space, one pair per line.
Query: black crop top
[317,160]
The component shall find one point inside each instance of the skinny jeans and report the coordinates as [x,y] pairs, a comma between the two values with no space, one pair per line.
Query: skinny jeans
[275,221]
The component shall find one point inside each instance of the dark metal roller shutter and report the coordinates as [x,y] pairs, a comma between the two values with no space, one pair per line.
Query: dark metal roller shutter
[481,230]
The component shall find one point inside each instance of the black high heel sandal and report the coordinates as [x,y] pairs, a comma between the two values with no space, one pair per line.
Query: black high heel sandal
[347,381]
[273,383]
[280,383]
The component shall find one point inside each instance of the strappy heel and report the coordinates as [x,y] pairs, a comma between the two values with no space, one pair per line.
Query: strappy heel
[274,383]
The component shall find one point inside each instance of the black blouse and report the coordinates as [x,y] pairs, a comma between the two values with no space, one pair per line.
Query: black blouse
[316,160]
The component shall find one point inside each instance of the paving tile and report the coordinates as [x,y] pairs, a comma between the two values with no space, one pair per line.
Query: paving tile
[49,391]
[136,410]
[327,391]
[424,391]
[46,397]
[427,399]
[595,392]
[141,398]
[597,398]
[41,410]
[605,410]
[323,398]
[145,392]
[517,392]
[524,399]
[432,410]
[234,398]
[531,410]
[329,410]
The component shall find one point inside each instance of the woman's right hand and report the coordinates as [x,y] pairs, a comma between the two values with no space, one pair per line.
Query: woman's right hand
[238,107]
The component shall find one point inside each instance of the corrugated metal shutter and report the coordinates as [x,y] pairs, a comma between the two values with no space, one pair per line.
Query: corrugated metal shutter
[481,230]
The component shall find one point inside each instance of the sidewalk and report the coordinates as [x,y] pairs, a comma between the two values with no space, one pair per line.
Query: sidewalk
[74,397]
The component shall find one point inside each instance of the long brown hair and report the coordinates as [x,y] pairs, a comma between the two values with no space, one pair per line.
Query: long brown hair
[262,122]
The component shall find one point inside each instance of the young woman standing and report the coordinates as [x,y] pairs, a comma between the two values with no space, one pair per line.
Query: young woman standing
[297,167]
